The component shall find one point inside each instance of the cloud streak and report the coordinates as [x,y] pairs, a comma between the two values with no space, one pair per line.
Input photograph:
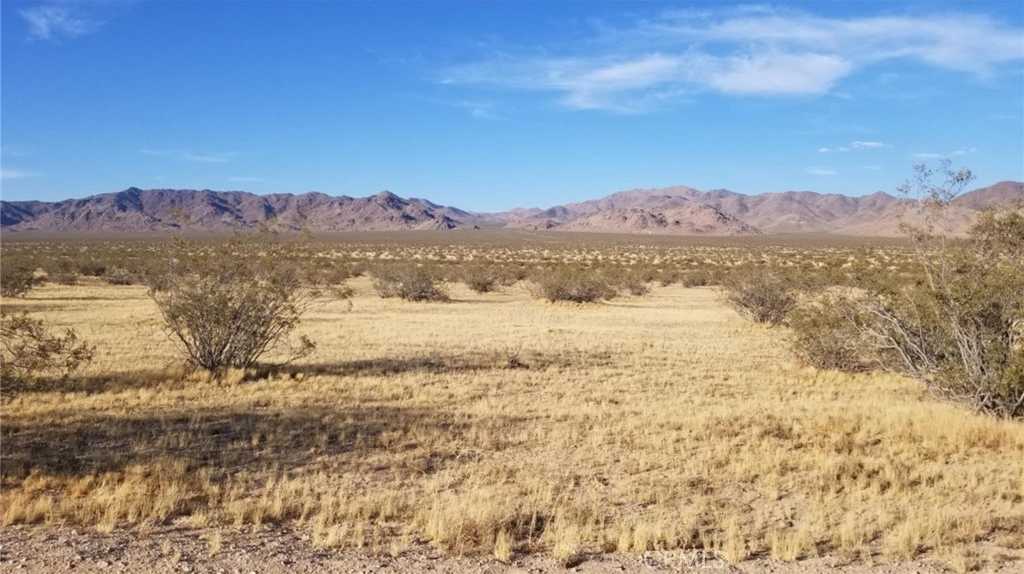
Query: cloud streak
[933,155]
[11,173]
[855,145]
[746,52]
[192,156]
[821,171]
[52,22]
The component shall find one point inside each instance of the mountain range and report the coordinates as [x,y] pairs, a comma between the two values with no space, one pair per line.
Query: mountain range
[669,211]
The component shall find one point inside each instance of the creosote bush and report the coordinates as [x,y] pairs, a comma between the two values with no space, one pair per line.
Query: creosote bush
[632,281]
[573,284]
[16,279]
[410,282]
[229,304]
[961,329]
[828,333]
[480,278]
[28,349]
[762,295]
[958,327]
[120,276]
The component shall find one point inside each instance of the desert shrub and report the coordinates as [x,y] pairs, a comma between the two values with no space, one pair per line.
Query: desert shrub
[633,282]
[92,268]
[960,329]
[120,276]
[327,274]
[828,333]
[511,275]
[572,284]
[669,277]
[958,326]
[762,295]
[696,278]
[28,349]
[16,278]
[230,304]
[410,282]
[62,271]
[480,278]
[64,278]
[636,287]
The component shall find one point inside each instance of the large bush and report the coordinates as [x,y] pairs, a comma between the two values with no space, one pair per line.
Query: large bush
[28,349]
[17,278]
[828,333]
[762,295]
[634,281]
[480,278]
[410,282]
[959,325]
[229,304]
[577,285]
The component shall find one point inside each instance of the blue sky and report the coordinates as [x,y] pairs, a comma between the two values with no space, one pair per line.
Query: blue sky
[492,105]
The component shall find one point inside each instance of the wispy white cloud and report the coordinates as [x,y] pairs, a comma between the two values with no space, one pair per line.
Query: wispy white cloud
[12,173]
[854,145]
[52,22]
[635,84]
[959,152]
[868,145]
[821,171]
[193,156]
[764,52]
[208,157]
[478,110]
[955,153]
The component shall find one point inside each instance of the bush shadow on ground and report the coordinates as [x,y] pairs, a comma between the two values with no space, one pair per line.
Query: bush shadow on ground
[433,363]
[227,440]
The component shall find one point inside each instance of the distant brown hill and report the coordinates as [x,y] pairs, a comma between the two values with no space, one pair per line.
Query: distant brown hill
[724,212]
[137,210]
[668,211]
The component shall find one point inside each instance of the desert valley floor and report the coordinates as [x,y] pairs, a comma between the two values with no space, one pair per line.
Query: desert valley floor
[496,432]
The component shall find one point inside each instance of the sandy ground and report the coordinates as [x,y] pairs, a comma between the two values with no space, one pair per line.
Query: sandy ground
[280,551]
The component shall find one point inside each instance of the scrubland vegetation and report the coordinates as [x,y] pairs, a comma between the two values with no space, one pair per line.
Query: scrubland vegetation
[556,398]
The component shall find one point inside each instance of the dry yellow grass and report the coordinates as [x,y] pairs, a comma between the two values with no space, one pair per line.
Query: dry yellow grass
[646,423]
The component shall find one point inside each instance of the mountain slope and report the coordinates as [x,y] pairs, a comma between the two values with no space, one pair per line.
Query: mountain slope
[671,211]
[878,214]
[137,210]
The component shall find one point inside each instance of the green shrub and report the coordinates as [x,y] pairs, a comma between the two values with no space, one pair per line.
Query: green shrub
[829,333]
[92,268]
[634,284]
[16,278]
[69,278]
[62,271]
[761,295]
[480,278]
[958,327]
[229,304]
[696,278]
[120,276]
[410,282]
[576,285]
